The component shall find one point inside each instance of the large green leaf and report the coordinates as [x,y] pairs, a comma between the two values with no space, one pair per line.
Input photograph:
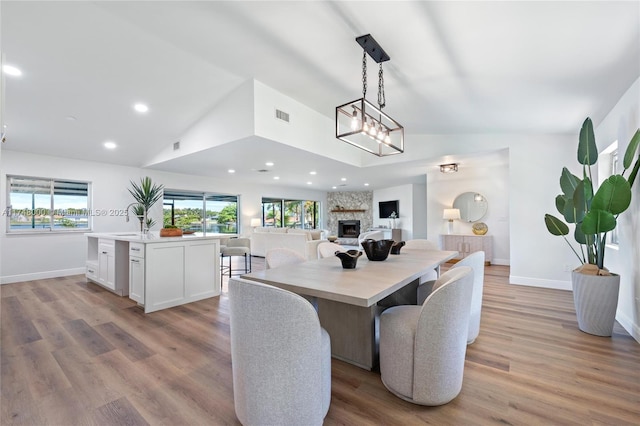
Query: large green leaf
[613,196]
[561,201]
[598,221]
[568,182]
[570,212]
[631,150]
[579,201]
[580,237]
[555,225]
[587,148]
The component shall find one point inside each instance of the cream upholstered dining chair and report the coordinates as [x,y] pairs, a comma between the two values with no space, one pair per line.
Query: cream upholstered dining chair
[425,285]
[422,348]
[476,261]
[329,249]
[421,244]
[281,256]
[281,363]
[370,235]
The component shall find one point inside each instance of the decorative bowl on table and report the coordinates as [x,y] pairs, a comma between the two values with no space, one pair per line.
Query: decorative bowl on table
[395,248]
[348,258]
[332,238]
[377,250]
[171,232]
[479,228]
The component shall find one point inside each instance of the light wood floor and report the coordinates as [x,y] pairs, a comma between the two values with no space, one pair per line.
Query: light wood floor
[74,354]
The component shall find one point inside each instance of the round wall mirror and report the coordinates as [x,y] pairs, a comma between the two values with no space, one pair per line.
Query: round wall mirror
[472,206]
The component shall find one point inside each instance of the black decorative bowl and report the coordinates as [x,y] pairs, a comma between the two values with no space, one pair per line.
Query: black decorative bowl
[349,258]
[377,250]
[395,248]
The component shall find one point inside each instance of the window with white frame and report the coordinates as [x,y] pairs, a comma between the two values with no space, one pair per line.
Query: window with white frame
[44,204]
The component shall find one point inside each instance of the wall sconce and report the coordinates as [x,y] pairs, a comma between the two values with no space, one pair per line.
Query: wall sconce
[449,168]
[255,222]
[451,215]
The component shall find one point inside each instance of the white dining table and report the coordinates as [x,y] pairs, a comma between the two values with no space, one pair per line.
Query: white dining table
[349,301]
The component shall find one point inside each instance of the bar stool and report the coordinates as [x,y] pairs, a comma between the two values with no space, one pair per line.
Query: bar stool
[235,247]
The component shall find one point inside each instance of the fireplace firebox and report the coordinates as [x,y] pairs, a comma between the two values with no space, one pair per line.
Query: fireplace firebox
[348,228]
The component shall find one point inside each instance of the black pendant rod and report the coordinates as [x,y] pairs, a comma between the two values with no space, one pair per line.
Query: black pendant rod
[372,47]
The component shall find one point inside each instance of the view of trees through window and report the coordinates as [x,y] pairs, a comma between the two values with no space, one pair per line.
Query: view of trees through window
[201,212]
[290,213]
[37,204]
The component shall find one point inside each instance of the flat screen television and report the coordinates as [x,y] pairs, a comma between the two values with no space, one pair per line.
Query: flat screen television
[388,207]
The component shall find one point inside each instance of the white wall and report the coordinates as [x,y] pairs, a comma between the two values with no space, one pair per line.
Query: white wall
[404,195]
[490,180]
[27,257]
[621,124]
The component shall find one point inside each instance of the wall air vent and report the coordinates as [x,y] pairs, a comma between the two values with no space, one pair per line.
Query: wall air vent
[281,115]
[176,146]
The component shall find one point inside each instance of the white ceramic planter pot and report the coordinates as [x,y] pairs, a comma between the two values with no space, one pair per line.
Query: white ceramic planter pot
[596,299]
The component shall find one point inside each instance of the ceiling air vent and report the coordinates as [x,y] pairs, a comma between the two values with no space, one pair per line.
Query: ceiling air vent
[176,146]
[281,115]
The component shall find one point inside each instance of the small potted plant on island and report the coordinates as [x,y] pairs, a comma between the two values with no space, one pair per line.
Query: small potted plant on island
[594,213]
[170,231]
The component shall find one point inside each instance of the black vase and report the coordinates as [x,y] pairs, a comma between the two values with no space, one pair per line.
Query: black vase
[395,248]
[349,258]
[377,250]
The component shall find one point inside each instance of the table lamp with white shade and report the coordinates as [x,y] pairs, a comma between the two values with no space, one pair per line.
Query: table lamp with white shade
[451,215]
[255,222]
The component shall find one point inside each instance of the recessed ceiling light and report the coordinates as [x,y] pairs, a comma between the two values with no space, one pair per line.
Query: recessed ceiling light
[141,108]
[110,145]
[231,171]
[309,183]
[312,173]
[333,187]
[276,177]
[366,184]
[268,163]
[11,70]
[343,179]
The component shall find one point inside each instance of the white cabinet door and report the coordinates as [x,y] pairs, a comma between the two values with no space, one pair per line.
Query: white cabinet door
[107,266]
[136,279]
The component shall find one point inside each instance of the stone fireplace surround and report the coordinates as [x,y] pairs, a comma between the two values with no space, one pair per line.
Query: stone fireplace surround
[348,228]
[354,205]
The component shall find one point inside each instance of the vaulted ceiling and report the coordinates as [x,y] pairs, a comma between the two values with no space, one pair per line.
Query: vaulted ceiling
[456,68]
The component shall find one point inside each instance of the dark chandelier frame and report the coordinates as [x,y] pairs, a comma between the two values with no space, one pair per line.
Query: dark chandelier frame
[362,124]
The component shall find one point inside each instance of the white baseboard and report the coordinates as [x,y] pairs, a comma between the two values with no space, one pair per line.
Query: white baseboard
[627,324]
[537,282]
[8,279]
[504,262]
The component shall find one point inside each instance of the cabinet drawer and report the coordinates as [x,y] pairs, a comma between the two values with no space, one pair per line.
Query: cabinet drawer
[136,249]
[92,270]
[106,247]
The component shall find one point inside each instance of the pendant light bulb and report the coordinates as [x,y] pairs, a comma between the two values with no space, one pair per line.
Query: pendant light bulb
[355,122]
[365,125]
[372,129]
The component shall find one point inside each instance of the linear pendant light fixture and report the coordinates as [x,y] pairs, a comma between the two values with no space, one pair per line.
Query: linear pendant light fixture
[362,124]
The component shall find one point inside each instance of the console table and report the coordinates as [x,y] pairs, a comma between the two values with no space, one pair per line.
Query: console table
[465,244]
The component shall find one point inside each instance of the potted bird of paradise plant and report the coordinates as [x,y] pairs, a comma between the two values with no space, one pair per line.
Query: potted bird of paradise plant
[594,212]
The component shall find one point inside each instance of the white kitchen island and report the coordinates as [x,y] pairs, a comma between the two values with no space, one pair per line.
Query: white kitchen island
[157,272]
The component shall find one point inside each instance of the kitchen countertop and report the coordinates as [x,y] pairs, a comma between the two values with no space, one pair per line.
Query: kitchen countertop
[153,237]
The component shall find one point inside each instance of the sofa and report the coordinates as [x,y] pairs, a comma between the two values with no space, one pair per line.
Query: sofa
[302,241]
